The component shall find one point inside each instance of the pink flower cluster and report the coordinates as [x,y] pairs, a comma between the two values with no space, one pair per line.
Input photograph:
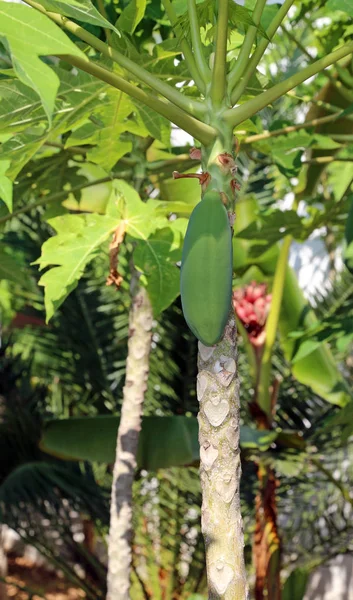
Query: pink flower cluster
[252,304]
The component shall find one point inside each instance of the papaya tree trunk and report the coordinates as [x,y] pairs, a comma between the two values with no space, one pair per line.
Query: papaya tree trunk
[220,468]
[137,367]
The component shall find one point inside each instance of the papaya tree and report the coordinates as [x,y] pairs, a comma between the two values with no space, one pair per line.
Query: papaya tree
[125,76]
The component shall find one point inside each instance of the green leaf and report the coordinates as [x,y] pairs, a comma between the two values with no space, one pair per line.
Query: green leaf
[82,10]
[164,441]
[344,5]
[269,228]
[19,105]
[286,151]
[139,217]
[112,114]
[318,369]
[348,252]
[254,438]
[296,584]
[156,258]
[156,252]
[156,125]
[307,347]
[343,420]
[39,36]
[77,98]
[5,184]
[77,242]
[132,15]
[323,142]
[289,465]
[240,15]
[11,268]
[347,111]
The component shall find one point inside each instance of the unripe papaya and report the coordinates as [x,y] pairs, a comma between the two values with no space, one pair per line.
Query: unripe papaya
[206,269]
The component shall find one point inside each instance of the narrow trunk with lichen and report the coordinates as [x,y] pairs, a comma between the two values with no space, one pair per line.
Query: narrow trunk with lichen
[137,367]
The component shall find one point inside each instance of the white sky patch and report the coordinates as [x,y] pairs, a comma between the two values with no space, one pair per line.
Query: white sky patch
[180,138]
[321,22]
[273,69]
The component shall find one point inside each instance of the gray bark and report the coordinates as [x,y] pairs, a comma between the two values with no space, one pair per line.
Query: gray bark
[137,367]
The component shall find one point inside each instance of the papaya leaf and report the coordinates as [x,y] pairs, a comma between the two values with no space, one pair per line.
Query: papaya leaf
[158,243]
[140,217]
[76,99]
[131,16]
[156,258]
[18,104]
[82,10]
[344,5]
[239,16]
[112,114]
[77,242]
[5,184]
[39,37]
[156,125]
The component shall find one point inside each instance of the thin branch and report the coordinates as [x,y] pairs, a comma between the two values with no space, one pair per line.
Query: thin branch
[236,115]
[342,137]
[218,84]
[196,42]
[305,125]
[325,105]
[322,160]
[186,50]
[344,491]
[103,12]
[202,132]
[192,107]
[57,196]
[182,160]
[242,61]
[260,50]
[343,91]
[297,42]
[71,149]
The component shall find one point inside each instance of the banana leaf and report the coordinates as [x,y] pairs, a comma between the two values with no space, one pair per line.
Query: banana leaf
[164,441]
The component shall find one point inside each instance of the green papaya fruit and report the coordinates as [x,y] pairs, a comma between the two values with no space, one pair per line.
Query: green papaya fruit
[206,269]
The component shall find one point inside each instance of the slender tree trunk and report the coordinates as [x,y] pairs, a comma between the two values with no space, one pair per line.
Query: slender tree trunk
[267,543]
[137,367]
[220,468]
